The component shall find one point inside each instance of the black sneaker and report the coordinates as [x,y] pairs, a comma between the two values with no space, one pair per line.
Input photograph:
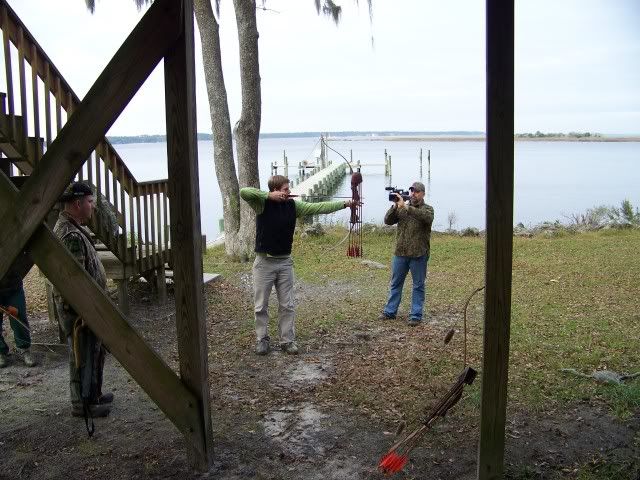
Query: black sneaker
[262,347]
[105,398]
[414,322]
[384,316]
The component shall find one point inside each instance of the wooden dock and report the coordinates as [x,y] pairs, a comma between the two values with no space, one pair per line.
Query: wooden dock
[322,182]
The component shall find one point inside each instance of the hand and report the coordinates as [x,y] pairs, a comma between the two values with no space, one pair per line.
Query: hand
[352,203]
[278,196]
[400,203]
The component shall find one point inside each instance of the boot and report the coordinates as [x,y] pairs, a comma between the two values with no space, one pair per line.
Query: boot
[96,410]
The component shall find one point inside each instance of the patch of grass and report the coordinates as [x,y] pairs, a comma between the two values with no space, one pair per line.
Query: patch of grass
[575,304]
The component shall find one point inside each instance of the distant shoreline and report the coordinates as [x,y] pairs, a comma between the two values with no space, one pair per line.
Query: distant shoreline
[482,139]
[388,137]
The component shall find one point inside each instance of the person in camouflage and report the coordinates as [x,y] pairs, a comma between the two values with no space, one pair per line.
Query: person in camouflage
[413,241]
[86,352]
[12,295]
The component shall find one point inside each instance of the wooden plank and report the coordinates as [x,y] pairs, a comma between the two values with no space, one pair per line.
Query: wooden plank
[180,101]
[146,367]
[112,91]
[147,252]
[107,167]
[98,172]
[58,96]
[116,200]
[123,209]
[89,164]
[132,229]
[36,104]
[159,225]
[47,105]
[7,62]
[23,90]
[152,222]
[499,242]
[165,230]
[139,221]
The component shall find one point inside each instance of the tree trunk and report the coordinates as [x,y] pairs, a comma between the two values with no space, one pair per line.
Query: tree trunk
[247,130]
[221,127]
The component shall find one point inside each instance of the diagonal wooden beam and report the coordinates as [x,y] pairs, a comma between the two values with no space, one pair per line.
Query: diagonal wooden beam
[186,238]
[117,84]
[162,385]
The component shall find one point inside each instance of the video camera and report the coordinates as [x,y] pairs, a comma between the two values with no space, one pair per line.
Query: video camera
[403,193]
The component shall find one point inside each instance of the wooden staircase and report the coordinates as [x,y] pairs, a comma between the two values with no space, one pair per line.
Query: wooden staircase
[132,218]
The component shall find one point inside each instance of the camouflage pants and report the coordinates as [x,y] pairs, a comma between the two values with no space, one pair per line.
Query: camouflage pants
[91,355]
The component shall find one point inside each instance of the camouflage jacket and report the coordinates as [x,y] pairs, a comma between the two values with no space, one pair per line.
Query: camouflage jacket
[413,237]
[78,242]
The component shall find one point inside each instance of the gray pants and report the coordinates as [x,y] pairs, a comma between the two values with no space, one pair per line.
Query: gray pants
[267,272]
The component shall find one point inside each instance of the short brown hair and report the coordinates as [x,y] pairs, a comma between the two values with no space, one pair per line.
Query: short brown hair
[277,181]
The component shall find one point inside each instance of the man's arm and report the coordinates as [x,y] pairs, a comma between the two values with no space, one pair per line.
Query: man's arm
[255,198]
[425,215]
[305,208]
[75,245]
[391,217]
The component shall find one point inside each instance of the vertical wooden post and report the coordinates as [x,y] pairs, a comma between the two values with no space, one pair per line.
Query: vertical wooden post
[286,165]
[499,243]
[123,295]
[386,164]
[420,163]
[186,237]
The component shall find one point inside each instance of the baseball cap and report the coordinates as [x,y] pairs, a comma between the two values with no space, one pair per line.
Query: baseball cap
[76,190]
[417,186]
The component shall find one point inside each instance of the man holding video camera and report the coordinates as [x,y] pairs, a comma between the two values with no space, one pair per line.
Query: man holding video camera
[413,238]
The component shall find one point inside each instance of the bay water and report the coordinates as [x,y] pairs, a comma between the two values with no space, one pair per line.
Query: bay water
[553,179]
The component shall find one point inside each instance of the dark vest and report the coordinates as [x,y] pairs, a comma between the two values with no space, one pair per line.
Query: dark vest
[275,227]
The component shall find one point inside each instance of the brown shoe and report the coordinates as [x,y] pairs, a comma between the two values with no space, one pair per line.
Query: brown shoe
[96,410]
[291,348]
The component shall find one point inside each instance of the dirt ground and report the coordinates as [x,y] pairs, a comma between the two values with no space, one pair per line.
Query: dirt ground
[270,418]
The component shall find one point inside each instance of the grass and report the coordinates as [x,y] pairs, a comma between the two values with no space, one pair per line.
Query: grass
[575,304]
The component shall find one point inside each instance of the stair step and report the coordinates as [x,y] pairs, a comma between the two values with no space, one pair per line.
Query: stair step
[206,277]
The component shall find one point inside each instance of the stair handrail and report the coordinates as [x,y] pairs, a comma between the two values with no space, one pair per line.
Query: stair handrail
[14,31]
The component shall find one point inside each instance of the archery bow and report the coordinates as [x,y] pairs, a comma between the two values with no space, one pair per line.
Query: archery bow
[354,248]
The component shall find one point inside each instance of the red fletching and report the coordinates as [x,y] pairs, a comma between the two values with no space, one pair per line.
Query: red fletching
[11,310]
[392,463]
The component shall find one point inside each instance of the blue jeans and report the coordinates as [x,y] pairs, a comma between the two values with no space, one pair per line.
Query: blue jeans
[21,334]
[399,269]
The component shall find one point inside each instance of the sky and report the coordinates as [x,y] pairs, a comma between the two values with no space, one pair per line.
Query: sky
[419,65]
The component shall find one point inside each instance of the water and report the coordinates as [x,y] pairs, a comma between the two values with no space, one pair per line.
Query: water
[552,179]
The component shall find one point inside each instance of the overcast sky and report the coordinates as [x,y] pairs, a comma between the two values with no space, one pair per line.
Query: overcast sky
[577,64]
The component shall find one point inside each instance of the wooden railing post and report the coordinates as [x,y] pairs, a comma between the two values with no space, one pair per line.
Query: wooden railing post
[499,243]
[186,237]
